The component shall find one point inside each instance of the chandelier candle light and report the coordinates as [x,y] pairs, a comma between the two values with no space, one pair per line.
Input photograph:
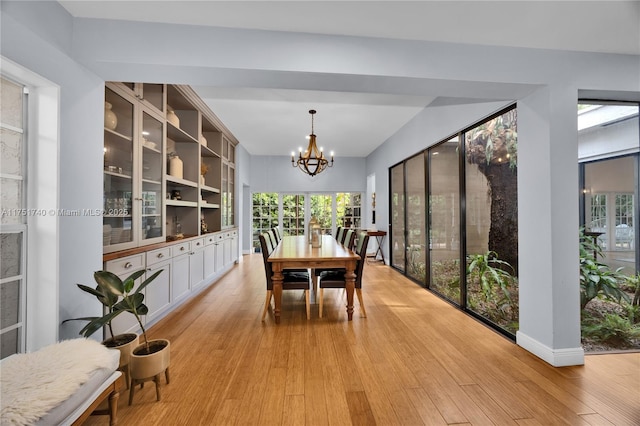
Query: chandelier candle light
[312,161]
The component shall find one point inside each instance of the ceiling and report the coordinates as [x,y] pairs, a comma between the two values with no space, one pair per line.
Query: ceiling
[270,121]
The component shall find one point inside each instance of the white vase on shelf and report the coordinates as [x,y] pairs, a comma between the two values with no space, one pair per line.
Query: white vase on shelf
[110,117]
[175,166]
[172,117]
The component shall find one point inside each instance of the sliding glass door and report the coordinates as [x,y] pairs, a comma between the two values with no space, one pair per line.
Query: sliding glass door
[397,209]
[444,209]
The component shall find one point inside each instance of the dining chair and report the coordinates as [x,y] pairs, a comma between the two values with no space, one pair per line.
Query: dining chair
[292,280]
[277,233]
[347,241]
[340,235]
[335,278]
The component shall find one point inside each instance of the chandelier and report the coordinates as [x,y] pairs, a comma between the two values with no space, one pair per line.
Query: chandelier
[312,161]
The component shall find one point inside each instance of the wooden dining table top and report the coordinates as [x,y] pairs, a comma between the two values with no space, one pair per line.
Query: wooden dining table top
[297,248]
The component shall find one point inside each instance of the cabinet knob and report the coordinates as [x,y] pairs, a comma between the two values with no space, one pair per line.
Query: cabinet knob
[181,248]
[128,265]
[160,255]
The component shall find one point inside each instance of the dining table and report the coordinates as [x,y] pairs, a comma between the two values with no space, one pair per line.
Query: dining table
[296,252]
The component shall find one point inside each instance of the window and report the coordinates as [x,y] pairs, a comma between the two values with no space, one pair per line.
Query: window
[265,214]
[13,224]
[293,214]
[348,209]
[321,209]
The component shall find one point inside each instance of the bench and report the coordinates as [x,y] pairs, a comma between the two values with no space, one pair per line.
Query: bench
[60,384]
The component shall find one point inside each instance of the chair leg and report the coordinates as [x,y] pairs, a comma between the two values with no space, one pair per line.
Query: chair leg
[359,293]
[320,308]
[306,299]
[314,279]
[266,303]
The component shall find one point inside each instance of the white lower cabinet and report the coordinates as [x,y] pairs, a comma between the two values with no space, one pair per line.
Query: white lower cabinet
[180,277]
[196,264]
[186,266]
[158,293]
[123,268]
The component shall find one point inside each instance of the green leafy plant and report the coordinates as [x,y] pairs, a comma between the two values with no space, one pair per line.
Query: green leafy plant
[597,279]
[613,329]
[131,300]
[633,282]
[490,272]
[116,296]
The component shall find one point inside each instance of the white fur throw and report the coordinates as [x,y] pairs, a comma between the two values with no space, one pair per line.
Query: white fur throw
[34,383]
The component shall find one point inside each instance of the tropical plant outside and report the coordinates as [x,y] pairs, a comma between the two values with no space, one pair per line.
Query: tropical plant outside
[610,316]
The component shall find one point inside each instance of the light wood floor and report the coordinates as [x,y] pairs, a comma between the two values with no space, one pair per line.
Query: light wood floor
[414,360]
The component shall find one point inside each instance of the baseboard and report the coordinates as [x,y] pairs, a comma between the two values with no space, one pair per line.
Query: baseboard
[555,357]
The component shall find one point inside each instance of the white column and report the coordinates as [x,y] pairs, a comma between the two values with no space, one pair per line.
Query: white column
[548,226]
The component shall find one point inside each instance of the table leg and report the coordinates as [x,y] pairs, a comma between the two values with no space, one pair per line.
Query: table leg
[277,289]
[350,285]
[380,241]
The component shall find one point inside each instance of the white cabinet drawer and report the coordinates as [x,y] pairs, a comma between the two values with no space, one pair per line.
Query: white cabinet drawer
[210,239]
[182,248]
[198,243]
[158,255]
[126,265]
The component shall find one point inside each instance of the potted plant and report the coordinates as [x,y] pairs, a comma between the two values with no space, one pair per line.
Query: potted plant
[150,358]
[124,342]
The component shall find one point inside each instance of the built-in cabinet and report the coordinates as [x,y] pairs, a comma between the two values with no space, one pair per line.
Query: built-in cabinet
[188,267]
[169,166]
[169,184]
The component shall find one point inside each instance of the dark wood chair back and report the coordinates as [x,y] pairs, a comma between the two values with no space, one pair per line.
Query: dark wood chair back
[349,239]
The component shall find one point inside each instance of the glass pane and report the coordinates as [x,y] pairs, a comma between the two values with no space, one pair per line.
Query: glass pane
[492,220]
[10,342]
[397,217]
[416,208]
[11,250]
[348,209]
[11,201]
[10,304]
[11,150]
[12,98]
[265,209]
[444,208]
[609,186]
[293,210]
[154,94]
[118,172]
[322,210]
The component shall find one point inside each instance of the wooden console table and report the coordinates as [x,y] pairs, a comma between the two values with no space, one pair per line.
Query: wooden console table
[379,240]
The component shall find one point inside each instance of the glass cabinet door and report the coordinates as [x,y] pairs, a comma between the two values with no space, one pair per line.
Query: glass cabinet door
[152,216]
[117,229]
[397,217]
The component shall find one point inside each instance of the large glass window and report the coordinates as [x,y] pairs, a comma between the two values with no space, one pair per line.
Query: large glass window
[265,214]
[293,214]
[416,218]
[322,210]
[13,223]
[396,199]
[349,209]
[492,220]
[486,282]
[444,209]
[608,146]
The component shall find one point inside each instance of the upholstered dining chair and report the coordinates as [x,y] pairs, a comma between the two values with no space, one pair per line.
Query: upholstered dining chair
[334,278]
[340,234]
[292,280]
[348,240]
[277,233]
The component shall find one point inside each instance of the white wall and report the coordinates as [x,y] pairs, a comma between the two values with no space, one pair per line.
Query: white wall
[36,37]
[276,174]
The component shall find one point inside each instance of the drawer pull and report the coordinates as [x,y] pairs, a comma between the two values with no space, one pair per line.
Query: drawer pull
[197,243]
[182,248]
[128,265]
[160,255]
